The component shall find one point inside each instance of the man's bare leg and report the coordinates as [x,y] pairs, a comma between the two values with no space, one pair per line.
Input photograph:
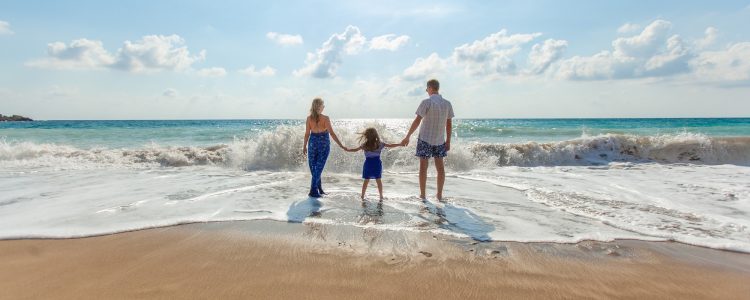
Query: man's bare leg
[440,167]
[423,164]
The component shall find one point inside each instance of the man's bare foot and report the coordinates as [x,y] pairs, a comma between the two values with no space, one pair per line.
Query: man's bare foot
[422,197]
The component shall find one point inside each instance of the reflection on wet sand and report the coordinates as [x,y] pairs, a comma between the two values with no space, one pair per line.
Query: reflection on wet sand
[371,213]
[456,219]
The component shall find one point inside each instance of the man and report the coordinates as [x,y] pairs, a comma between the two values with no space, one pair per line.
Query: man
[434,141]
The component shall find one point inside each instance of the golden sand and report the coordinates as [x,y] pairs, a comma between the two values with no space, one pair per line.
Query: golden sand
[203,262]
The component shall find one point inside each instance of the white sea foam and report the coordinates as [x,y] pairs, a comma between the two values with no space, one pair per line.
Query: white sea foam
[705,205]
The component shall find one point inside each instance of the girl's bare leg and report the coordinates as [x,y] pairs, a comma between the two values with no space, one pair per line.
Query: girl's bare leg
[380,187]
[364,188]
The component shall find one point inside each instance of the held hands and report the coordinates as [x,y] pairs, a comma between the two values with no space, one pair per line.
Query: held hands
[405,142]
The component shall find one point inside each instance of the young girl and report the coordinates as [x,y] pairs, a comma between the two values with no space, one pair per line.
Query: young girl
[373,168]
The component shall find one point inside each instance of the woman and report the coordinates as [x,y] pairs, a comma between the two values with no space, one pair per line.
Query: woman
[317,129]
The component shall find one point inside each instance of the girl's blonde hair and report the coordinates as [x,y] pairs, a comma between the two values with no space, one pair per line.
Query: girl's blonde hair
[314,108]
[369,140]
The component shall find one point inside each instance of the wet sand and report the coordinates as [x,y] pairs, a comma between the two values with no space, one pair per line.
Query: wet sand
[268,260]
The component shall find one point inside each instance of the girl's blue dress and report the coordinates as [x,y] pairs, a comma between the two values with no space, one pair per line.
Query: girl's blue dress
[373,167]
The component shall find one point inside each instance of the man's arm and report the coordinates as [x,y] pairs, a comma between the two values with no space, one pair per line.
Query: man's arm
[448,131]
[414,126]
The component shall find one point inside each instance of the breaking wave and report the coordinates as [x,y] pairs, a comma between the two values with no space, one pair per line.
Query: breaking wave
[281,149]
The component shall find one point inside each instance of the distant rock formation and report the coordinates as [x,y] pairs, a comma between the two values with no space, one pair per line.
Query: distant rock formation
[14,118]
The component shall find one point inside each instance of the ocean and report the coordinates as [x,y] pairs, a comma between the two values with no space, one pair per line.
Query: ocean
[527,180]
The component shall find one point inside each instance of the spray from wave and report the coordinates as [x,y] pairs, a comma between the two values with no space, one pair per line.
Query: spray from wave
[600,149]
[281,149]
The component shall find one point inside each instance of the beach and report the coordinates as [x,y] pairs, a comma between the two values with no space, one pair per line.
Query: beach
[272,260]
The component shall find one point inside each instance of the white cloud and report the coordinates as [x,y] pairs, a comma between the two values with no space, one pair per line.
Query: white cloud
[151,53]
[674,60]
[653,52]
[493,54]
[543,55]
[285,39]
[5,28]
[212,72]
[156,52]
[602,65]
[80,54]
[731,64]
[424,67]
[628,28]
[708,39]
[326,59]
[644,44]
[388,42]
[265,72]
[170,93]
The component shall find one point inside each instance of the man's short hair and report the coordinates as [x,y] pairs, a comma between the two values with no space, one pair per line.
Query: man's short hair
[434,84]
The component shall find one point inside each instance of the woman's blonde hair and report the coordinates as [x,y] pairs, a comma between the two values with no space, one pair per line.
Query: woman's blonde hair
[369,140]
[314,108]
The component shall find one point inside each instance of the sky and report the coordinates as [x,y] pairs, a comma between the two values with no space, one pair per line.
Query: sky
[370,59]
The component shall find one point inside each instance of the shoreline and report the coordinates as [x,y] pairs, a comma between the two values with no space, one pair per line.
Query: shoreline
[208,223]
[270,259]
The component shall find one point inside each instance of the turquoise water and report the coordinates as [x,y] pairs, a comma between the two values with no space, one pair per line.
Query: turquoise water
[136,133]
[546,130]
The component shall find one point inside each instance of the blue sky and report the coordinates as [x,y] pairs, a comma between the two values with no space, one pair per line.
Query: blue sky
[240,59]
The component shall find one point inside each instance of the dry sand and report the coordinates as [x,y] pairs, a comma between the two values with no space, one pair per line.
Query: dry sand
[268,260]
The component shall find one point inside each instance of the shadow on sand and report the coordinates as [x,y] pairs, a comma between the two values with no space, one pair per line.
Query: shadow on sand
[301,210]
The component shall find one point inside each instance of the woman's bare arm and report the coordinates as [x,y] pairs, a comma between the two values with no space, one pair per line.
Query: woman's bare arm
[333,134]
[307,135]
